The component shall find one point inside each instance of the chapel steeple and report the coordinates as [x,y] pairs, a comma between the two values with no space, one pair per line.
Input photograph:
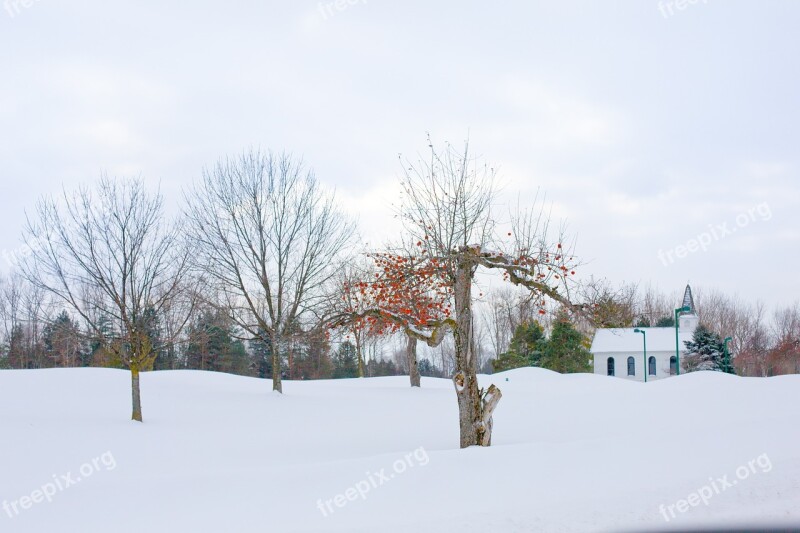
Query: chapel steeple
[688,300]
[688,320]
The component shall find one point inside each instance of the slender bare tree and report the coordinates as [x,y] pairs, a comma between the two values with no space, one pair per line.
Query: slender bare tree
[348,279]
[270,239]
[12,305]
[507,308]
[109,254]
[786,323]
[654,305]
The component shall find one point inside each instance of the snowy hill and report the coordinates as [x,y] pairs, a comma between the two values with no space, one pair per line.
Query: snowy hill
[222,453]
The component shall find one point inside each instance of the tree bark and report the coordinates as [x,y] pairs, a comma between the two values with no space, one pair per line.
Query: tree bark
[489,401]
[359,354]
[290,361]
[136,394]
[465,383]
[276,367]
[411,356]
[475,407]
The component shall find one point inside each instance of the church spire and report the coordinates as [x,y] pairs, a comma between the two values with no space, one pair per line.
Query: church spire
[688,299]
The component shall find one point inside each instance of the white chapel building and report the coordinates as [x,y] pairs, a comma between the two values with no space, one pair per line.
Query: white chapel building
[620,351]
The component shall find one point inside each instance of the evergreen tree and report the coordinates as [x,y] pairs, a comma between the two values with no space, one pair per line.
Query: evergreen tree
[382,367]
[212,346]
[100,346]
[428,369]
[565,351]
[165,353]
[261,351]
[206,340]
[234,359]
[706,351]
[345,363]
[643,322]
[525,348]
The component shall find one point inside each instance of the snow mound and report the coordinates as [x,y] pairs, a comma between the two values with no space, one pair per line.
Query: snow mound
[224,453]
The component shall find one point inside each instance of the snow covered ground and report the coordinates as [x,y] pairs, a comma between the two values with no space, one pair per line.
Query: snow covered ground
[220,453]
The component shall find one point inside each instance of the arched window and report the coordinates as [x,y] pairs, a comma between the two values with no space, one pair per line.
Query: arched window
[673,365]
[631,366]
[651,363]
[610,366]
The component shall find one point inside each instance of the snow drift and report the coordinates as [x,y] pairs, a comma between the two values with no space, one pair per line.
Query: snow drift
[223,453]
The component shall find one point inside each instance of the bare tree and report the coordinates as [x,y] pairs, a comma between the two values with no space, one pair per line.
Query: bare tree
[349,279]
[506,310]
[786,323]
[11,311]
[109,254]
[784,357]
[374,348]
[270,239]
[752,349]
[654,305]
[24,311]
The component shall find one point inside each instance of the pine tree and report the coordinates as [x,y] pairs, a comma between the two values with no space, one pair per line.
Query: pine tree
[706,351]
[165,356]
[345,364]
[212,345]
[565,351]
[261,349]
[100,346]
[428,369]
[525,348]
[382,367]
[234,359]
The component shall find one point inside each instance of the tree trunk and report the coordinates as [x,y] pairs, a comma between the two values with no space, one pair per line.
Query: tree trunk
[290,361]
[475,407]
[359,354]
[276,367]
[411,356]
[136,394]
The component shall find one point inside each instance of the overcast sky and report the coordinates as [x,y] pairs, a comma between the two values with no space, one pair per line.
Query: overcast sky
[651,126]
